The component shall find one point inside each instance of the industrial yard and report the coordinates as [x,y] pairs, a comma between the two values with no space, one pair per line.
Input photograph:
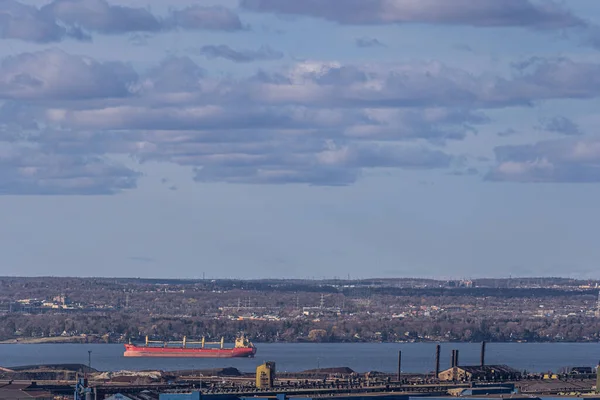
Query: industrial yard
[457,379]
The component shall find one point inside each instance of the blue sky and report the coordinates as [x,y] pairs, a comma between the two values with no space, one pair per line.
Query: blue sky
[286,138]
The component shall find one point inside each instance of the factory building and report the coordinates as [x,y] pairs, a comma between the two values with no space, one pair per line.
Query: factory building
[265,375]
[479,372]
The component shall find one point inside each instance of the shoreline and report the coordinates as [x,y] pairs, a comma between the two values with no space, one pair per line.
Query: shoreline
[99,340]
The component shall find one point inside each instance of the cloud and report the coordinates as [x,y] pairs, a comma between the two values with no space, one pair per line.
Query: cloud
[507,132]
[53,74]
[175,74]
[205,18]
[240,56]
[333,165]
[100,16]
[565,160]
[319,123]
[24,22]
[430,84]
[562,125]
[484,13]
[61,19]
[139,38]
[368,42]
[26,170]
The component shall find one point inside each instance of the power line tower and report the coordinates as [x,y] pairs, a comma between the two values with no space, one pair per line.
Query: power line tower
[322,302]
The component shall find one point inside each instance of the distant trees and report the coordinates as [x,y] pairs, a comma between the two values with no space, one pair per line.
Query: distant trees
[273,311]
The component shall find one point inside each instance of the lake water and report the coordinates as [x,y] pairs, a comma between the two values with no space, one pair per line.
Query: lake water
[361,357]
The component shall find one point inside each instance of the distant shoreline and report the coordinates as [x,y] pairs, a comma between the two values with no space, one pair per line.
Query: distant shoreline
[96,340]
[52,340]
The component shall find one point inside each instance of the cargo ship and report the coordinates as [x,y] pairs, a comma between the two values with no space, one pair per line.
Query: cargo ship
[242,348]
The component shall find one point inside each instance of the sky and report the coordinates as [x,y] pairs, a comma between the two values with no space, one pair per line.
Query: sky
[299,138]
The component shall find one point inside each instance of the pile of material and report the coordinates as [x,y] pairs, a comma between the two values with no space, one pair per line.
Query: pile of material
[128,376]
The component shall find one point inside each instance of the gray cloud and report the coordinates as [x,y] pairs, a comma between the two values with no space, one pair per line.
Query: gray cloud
[208,18]
[240,56]
[490,13]
[62,19]
[562,125]
[25,170]
[312,123]
[24,22]
[139,38]
[424,85]
[368,42]
[507,132]
[54,74]
[99,16]
[332,166]
[565,160]
[252,175]
[176,74]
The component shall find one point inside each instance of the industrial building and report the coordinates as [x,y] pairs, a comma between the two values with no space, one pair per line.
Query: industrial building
[265,375]
[479,372]
[19,391]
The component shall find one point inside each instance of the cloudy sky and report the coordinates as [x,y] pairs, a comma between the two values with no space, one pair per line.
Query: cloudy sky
[300,138]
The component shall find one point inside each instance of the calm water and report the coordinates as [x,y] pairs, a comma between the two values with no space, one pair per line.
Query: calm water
[361,357]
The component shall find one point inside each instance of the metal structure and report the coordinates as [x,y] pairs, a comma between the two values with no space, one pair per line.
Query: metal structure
[82,391]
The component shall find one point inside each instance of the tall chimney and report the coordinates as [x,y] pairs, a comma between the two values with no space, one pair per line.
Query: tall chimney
[482,353]
[456,358]
[453,359]
[437,360]
[399,365]
[598,378]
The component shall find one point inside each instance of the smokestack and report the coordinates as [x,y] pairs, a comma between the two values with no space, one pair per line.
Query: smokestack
[452,360]
[399,365]
[598,378]
[437,360]
[456,359]
[482,353]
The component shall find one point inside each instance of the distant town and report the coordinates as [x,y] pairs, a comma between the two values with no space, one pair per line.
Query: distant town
[54,309]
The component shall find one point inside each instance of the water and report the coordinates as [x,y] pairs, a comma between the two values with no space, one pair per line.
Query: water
[361,357]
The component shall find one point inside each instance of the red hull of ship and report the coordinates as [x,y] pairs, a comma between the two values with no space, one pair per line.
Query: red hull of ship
[143,351]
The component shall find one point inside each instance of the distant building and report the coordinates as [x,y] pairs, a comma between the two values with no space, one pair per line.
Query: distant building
[477,372]
[579,370]
[145,395]
[17,391]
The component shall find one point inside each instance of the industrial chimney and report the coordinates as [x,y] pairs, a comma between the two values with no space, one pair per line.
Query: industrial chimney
[437,361]
[482,353]
[456,358]
[399,365]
